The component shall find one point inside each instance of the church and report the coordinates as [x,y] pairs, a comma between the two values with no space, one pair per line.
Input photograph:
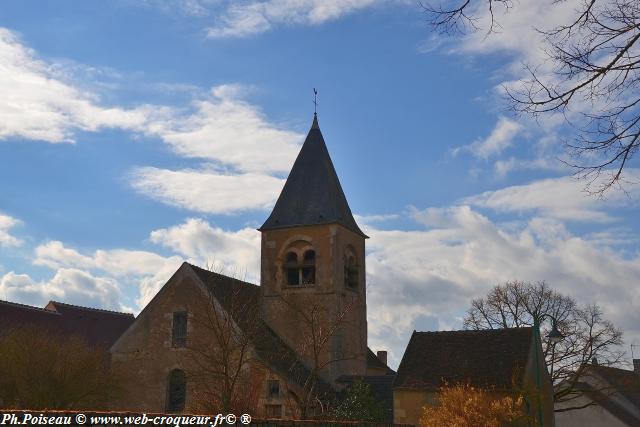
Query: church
[288,348]
[289,344]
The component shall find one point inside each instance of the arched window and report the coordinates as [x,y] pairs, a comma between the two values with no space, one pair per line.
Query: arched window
[301,273]
[291,265]
[176,391]
[309,268]
[350,272]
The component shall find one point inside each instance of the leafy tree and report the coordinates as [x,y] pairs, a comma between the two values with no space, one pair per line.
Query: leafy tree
[468,406]
[358,404]
[590,76]
[43,370]
[587,334]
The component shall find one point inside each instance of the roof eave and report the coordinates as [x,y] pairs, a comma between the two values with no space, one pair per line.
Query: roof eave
[283,227]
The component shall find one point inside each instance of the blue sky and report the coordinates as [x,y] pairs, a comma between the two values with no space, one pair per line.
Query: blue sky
[136,135]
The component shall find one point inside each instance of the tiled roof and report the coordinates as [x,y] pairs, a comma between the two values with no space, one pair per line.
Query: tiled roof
[312,194]
[621,383]
[487,358]
[97,327]
[268,345]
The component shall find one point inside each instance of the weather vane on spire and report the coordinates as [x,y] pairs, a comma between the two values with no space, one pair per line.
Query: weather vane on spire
[315,101]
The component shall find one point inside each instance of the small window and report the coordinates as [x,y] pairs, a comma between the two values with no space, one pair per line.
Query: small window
[301,273]
[179,330]
[176,391]
[351,272]
[293,276]
[309,268]
[273,411]
[273,388]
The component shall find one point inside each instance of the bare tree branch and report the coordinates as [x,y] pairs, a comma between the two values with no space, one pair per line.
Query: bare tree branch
[587,334]
[592,79]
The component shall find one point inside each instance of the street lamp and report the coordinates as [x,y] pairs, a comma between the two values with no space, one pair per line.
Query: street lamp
[554,337]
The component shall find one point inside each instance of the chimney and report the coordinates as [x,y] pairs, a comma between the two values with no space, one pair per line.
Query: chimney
[382,355]
[636,366]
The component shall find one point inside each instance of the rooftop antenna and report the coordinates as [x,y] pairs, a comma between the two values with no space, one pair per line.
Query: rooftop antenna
[315,101]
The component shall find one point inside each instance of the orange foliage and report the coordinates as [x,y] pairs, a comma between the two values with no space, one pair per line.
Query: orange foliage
[468,406]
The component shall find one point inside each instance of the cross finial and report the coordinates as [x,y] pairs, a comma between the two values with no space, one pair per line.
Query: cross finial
[315,101]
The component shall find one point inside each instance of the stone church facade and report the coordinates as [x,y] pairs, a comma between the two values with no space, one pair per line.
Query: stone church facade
[289,344]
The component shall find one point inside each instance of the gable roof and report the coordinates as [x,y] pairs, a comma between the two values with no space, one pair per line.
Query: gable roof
[486,358]
[623,384]
[270,348]
[312,193]
[97,327]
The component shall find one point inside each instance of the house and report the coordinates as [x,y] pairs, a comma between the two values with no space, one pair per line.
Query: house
[501,360]
[608,397]
[98,328]
[289,343]
[57,356]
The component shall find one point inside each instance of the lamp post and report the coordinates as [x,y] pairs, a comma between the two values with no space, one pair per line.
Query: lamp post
[554,337]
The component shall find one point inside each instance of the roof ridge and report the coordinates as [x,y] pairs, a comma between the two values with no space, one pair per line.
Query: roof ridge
[604,367]
[31,307]
[221,275]
[101,310]
[460,331]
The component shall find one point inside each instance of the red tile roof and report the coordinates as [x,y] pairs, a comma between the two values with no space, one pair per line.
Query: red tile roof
[97,327]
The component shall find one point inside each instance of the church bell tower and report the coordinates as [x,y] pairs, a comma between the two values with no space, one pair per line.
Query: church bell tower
[313,267]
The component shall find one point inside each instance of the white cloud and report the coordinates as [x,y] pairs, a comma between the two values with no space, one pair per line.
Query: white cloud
[37,104]
[207,191]
[503,167]
[425,279]
[67,285]
[144,270]
[245,19]
[236,253]
[517,38]
[561,198]
[366,219]
[188,7]
[115,262]
[231,131]
[121,271]
[40,103]
[6,224]
[516,32]
[498,140]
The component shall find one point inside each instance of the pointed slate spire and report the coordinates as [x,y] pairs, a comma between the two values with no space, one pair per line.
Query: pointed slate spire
[312,194]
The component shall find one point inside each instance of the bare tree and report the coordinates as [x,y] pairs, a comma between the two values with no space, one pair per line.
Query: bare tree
[319,325]
[587,334]
[591,77]
[220,351]
[40,369]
